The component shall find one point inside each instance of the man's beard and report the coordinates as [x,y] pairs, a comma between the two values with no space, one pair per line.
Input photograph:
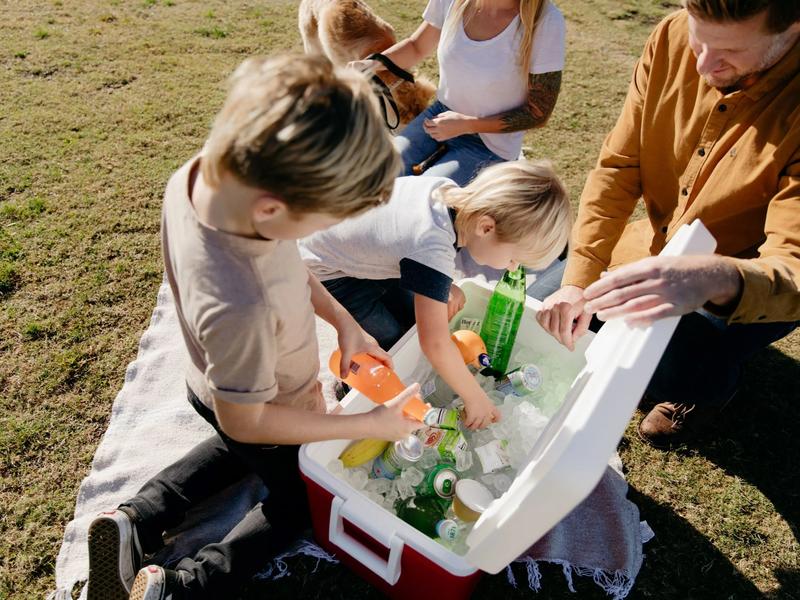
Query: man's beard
[776,51]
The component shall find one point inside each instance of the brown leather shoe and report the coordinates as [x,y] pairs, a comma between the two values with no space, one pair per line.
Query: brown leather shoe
[665,424]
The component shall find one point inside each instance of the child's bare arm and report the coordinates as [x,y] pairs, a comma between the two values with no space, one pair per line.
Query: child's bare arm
[352,338]
[434,339]
[267,423]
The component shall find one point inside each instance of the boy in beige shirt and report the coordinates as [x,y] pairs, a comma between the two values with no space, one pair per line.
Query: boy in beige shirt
[297,147]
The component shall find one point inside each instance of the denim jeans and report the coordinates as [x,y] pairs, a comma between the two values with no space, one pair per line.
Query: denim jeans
[217,570]
[381,307]
[703,361]
[465,156]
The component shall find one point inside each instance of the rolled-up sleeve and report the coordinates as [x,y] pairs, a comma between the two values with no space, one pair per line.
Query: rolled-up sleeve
[240,356]
[771,282]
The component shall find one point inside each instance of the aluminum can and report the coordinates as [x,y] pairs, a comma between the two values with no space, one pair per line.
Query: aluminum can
[439,481]
[522,381]
[443,418]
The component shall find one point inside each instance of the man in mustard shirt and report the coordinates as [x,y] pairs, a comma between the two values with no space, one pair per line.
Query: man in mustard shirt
[710,130]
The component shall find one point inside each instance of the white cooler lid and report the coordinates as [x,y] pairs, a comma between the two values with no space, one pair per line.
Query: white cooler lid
[571,455]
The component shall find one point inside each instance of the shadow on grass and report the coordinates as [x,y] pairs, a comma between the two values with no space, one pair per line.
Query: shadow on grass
[757,439]
[673,559]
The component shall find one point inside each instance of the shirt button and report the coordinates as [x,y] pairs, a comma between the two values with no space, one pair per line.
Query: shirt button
[722,107]
[762,317]
[664,229]
[684,192]
[702,152]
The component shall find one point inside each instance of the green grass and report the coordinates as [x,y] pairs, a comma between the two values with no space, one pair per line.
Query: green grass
[89,133]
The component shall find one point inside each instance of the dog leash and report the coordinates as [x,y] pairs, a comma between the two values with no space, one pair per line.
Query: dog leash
[392,67]
[384,92]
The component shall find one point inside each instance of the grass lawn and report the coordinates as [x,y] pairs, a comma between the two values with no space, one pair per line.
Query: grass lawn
[101,100]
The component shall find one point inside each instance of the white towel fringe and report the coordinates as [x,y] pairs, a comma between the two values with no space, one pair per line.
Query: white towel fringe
[278,568]
[617,584]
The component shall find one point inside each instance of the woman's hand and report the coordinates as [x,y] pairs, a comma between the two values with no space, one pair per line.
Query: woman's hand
[447,125]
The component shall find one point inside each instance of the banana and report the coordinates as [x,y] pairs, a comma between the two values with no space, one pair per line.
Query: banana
[362,451]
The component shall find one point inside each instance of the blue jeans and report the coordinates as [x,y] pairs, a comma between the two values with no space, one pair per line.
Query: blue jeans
[465,156]
[381,307]
[704,359]
[218,569]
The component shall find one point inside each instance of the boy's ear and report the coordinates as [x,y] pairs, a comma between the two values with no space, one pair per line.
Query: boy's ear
[484,225]
[266,208]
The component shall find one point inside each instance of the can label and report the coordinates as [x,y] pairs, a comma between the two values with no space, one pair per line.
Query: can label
[521,382]
[446,442]
[443,418]
[440,481]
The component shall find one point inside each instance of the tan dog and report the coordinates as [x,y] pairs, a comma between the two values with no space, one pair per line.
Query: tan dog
[348,30]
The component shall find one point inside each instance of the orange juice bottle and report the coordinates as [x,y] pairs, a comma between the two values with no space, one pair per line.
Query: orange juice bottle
[377,382]
[472,348]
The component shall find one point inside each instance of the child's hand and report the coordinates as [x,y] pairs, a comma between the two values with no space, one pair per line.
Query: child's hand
[353,340]
[480,412]
[388,420]
[456,301]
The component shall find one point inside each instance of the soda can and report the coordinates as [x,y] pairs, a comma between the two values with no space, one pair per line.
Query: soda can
[443,418]
[440,481]
[397,457]
[522,381]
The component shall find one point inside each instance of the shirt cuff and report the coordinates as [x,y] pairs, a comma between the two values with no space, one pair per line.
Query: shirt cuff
[581,271]
[756,291]
[248,397]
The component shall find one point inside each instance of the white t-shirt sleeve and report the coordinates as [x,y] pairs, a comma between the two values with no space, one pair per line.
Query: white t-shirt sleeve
[436,12]
[549,41]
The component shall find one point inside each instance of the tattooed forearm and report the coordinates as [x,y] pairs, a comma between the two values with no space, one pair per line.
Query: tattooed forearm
[543,91]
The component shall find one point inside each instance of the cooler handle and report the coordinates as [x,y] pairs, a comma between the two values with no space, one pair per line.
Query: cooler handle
[388,570]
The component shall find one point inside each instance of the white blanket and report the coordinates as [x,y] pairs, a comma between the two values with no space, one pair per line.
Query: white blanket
[152,425]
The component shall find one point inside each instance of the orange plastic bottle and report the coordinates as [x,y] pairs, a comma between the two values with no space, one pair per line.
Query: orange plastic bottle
[472,348]
[377,382]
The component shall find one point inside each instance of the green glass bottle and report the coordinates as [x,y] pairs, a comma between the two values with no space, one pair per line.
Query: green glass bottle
[428,515]
[501,321]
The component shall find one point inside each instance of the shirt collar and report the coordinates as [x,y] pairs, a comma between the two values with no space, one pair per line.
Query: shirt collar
[786,68]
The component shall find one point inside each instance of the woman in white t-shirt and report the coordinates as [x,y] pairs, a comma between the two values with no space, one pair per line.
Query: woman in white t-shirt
[500,64]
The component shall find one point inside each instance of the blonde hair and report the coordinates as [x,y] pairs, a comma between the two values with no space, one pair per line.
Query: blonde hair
[526,200]
[529,13]
[308,132]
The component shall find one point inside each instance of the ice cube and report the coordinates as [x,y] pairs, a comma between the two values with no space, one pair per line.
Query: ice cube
[336,467]
[464,461]
[488,480]
[404,489]
[357,478]
[378,486]
[412,475]
[430,459]
[391,496]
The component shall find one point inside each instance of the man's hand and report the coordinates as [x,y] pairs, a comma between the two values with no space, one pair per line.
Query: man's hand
[388,421]
[480,412]
[447,125]
[353,340]
[455,302]
[563,315]
[663,286]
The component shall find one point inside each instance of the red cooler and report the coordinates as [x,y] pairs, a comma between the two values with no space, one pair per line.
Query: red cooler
[612,370]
